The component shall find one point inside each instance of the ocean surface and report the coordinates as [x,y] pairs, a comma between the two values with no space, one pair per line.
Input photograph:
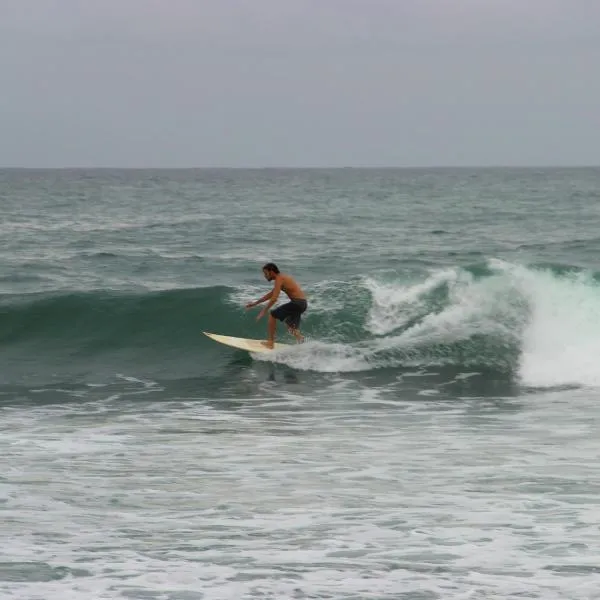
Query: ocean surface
[436,437]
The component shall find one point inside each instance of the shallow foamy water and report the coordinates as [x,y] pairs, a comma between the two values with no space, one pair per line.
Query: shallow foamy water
[349,495]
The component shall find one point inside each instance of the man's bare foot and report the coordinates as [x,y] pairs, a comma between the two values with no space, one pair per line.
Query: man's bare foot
[269,344]
[299,337]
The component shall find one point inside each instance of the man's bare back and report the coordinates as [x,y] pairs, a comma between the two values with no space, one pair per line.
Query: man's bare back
[291,287]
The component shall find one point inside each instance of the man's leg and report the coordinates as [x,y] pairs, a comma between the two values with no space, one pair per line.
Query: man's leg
[296,333]
[293,325]
[271,332]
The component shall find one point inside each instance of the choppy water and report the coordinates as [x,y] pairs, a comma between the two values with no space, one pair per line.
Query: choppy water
[436,437]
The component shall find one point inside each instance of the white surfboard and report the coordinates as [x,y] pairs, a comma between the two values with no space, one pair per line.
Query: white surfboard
[244,343]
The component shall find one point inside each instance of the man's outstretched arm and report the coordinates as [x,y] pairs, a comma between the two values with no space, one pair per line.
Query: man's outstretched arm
[260,300]
[274,295]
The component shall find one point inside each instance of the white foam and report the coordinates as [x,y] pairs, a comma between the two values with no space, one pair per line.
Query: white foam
[395,304]
[320,356]
[363,503]
[561,342]
[489,306]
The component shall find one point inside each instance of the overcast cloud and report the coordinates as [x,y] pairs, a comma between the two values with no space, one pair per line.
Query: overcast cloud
[186,83]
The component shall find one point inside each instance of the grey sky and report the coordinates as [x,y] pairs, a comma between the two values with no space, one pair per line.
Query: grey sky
[173,83]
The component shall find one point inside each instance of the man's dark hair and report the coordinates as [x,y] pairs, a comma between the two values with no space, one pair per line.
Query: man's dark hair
[271,267]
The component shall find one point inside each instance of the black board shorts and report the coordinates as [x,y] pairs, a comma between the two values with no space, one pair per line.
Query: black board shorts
[290,312]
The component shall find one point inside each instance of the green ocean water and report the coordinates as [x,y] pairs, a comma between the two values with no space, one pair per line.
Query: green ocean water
[434,438]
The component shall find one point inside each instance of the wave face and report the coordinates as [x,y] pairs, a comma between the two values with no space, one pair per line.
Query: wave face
[537,325]
[99,333]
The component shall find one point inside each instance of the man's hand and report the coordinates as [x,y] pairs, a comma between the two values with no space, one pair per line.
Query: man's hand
[260,300]
[261,314]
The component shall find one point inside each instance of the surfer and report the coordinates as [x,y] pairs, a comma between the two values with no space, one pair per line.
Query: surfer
[290,312]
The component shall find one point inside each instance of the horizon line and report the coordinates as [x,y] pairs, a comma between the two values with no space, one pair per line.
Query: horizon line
[296,168]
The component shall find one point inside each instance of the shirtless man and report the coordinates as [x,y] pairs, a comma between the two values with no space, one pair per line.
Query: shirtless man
[289,312]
